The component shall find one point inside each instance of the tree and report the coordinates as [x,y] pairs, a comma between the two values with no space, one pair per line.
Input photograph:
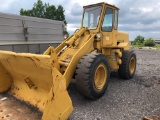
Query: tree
[60,16]
[38,10]
[149,42]
[138,40]
[45,11]
[50,12]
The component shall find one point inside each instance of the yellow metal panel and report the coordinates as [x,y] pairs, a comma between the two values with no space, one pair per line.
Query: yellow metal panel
[31,76]
[5,79]
[114,59]
[122,45]
[53,56]
[84,49]
[58,105]
[102,3]
[106,51]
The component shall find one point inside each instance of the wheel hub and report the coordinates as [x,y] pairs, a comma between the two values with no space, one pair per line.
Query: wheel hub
[100,76]
[132,65]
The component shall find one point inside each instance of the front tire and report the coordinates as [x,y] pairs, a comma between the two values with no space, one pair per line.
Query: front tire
[92,75]
[128,67]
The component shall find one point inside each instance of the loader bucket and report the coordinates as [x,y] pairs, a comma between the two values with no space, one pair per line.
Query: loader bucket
[35,79]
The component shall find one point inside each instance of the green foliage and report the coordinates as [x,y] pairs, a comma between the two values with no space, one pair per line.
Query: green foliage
[45,11]
[138,40]
[157,46]
[138,44]
[50,12]
[60,15]
[149,42]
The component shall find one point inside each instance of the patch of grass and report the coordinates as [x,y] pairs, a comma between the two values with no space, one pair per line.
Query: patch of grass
[157,46]
[138,45]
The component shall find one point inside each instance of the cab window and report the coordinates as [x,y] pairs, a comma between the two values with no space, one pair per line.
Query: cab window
[115,19]
[91,17]
[107,22]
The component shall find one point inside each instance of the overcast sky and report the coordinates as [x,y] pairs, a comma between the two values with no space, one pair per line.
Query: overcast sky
[137,17]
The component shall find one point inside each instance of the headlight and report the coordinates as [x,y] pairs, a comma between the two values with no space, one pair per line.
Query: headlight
[98,35]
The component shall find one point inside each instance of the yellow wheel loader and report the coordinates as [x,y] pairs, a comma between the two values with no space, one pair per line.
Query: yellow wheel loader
[88,55]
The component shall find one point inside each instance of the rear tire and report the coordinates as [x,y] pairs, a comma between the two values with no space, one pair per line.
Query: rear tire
[92,75]
[128,67]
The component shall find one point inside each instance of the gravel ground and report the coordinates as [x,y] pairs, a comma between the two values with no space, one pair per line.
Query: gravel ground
[124,99]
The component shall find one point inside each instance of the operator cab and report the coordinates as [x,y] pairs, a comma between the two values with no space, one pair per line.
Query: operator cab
[102,18]
[93,13]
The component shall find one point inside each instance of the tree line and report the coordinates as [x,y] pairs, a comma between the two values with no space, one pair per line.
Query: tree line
[45,11]
[140,41]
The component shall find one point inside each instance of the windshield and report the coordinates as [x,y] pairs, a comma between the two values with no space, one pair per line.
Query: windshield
[91,17]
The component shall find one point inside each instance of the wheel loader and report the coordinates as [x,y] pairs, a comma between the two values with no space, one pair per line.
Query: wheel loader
[89,55]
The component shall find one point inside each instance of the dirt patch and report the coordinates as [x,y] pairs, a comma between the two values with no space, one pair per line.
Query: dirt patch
[13,109]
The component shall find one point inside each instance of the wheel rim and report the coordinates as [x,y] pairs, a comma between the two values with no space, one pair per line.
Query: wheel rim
[100,76]
[132,65]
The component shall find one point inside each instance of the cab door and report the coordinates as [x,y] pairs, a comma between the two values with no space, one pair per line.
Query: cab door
[107,28]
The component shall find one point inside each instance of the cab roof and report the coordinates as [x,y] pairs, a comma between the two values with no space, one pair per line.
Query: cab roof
[102,3]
